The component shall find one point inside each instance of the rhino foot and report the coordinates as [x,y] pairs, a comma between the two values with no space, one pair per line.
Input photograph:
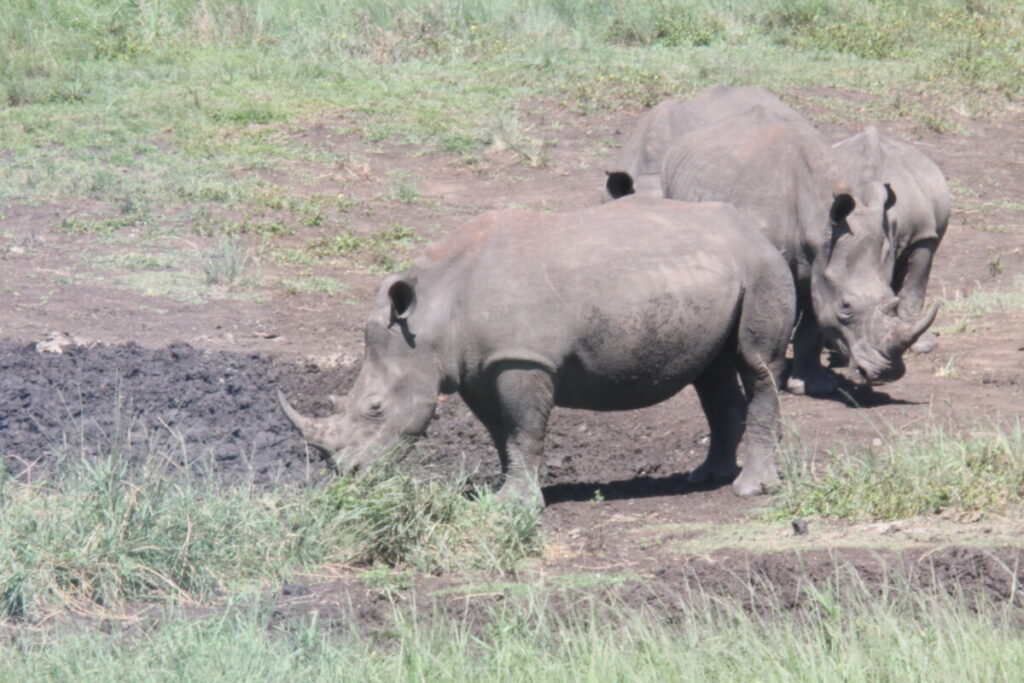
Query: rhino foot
[520,491]
[712,474]
[818,382]
[754,482]
[926,343]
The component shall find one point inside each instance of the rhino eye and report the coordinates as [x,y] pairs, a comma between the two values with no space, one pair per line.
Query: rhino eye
[375,409]
[845,310]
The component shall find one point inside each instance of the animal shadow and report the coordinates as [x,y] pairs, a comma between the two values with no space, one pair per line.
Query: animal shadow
[638,487]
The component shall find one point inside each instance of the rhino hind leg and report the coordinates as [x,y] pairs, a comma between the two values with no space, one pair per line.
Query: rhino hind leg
[725,408]
[517,420]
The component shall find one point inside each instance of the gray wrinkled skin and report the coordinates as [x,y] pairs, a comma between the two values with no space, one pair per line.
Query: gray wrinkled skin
[643,152]
[614,307]
[918,220]
[837,241]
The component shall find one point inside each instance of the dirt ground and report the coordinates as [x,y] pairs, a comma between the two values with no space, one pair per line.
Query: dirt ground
[618,502]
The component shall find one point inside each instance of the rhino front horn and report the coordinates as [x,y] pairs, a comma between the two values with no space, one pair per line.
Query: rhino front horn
[909,332]
[311,428]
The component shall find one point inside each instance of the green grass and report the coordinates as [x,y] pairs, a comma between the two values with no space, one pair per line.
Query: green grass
[927,472]
[965,308]
[115,530]
[177,104]
[426,524]
[839,635]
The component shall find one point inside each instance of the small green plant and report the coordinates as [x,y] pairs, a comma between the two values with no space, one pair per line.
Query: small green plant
[948,369]
[224,265]
[404,189]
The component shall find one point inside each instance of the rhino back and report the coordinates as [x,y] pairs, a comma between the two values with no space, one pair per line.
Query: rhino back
[625,303]
[923,199]
[776,169]
[645,148]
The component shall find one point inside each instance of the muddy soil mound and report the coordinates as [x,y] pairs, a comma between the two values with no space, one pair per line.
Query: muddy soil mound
[87,401]
[220,407]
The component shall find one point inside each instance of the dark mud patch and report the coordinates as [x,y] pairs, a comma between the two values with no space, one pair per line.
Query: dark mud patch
[210,410]
[219,409]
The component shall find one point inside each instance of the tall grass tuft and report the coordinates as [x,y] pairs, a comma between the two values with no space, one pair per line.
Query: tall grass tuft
[387,516]
[927,472]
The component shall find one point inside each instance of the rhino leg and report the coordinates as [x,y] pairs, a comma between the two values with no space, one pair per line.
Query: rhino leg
[725,408]
[808,375]
[517,418]
[909,282]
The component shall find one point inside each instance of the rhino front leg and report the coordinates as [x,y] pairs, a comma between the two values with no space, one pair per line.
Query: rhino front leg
[910,282]
[725,408]
[763,428]
[524,397]
[808,375]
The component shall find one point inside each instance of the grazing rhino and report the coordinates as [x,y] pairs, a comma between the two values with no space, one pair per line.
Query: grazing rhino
[638,166]
[917,222]
[837,247]
[615,307]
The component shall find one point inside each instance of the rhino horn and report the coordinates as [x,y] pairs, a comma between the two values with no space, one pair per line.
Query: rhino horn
[906,333]
[312,429]
[891,306]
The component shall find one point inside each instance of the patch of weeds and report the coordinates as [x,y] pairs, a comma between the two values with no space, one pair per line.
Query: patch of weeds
[403,189]
[136,260]
[919,473]
[76,225]
[264,227]
[381,250]
[386,580]
[948,369]
[985,301]
[293,256]
[508,132]
[390,518]
[225,264]
[302,285]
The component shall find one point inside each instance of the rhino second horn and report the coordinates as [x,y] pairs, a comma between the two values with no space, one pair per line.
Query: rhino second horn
[312,428]
[891,306]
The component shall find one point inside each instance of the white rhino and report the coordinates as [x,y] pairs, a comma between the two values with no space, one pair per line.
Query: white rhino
[836,240]
[918,220]
[614,307]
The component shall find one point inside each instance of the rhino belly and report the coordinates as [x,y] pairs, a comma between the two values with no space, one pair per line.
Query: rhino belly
[622,369]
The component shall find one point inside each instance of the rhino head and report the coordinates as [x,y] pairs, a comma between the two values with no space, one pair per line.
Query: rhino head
[853,299]
[395,394]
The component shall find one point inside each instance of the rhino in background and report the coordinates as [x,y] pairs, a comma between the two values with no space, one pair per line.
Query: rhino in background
[917,222]
[836,241]
[519,312]
[638,166]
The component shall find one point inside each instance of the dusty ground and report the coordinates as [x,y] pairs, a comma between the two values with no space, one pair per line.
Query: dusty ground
[208,370]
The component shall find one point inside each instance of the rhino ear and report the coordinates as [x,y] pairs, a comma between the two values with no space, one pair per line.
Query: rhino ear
[890,197]
[842,206]
[403,298]
[619,184]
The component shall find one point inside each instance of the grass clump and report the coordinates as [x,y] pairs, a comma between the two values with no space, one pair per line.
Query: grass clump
[391,518]
[110,531]
[933,471]
[380,251]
